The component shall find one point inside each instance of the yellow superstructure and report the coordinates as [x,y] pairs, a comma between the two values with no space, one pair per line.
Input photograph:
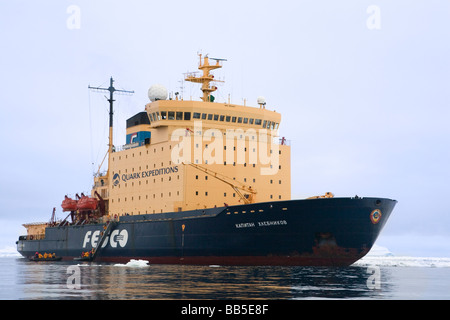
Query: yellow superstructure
[151,173]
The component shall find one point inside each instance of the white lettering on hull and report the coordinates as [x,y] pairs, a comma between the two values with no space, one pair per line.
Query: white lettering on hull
[261,224]
[117,238]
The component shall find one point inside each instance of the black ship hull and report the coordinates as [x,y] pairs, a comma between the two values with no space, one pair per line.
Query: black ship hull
[316,232]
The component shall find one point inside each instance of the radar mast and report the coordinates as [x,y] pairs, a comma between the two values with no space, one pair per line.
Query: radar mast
[206,78]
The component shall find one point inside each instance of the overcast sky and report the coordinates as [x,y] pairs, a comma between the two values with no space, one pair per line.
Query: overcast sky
[362,86]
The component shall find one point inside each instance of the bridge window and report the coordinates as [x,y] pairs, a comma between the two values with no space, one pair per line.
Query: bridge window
[258,122]
[179,115]
[187,116]
[196,115]
[164,115]
[171,115]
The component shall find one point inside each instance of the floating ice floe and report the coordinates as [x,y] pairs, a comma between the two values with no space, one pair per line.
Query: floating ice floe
[382,257]
[134,264]
[379,251]
[404,262]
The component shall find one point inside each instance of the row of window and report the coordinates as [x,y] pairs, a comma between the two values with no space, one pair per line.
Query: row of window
[146,197]
[234,195]
[228,212]
[253,211]
[244,179]
[140,153]
[196,145]
[179,115]
[124,199]
[234,164]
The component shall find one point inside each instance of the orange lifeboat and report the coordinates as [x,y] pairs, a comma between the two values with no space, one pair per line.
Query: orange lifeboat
[69,204]
[87,203]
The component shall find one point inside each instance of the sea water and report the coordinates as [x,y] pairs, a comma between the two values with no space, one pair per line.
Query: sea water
[373,277]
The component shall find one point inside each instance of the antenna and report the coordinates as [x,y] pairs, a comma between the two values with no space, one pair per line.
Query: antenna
[218,59]
[111,90]
[206,78]
[182,88]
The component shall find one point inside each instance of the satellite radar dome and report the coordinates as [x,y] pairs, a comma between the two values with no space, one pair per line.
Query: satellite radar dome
[157,92]
[261,100]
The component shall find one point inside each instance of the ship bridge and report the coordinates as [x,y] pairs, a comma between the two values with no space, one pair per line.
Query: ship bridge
[220,115]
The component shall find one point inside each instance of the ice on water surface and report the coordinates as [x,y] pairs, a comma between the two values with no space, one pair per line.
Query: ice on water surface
[381,256]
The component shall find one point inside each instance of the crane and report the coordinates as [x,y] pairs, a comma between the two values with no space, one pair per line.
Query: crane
[235,185]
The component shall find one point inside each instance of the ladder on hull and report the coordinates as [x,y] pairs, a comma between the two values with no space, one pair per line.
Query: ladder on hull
[105,234]
[111,224]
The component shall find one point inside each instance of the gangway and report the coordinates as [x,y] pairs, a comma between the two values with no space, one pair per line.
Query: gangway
[111,224]
[106,232]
